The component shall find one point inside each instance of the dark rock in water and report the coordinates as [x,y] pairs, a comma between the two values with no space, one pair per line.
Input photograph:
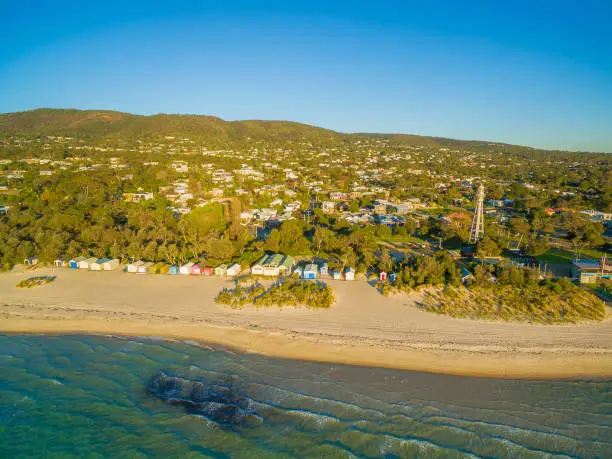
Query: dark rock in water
[223,402]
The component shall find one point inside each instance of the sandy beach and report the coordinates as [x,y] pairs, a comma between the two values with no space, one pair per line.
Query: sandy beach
[361,328]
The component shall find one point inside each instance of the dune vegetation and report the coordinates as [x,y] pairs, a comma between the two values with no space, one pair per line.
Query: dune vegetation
[546,303]
[290,292]
[35,281]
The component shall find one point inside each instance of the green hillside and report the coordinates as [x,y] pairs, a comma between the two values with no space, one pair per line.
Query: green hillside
[106,125]
[102,124]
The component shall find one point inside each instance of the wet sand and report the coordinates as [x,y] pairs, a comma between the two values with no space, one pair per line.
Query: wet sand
[361,328]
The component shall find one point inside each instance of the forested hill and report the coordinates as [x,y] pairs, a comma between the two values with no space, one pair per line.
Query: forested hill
[111,125]
[106,125]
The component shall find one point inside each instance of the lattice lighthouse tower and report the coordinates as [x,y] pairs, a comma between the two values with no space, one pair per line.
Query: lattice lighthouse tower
[477,228]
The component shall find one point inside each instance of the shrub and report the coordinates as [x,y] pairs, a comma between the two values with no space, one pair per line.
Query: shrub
[35,281]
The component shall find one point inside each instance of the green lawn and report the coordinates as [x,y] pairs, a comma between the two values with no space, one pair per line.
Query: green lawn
[592,253]
[208,217]
[556,256]
[402,239]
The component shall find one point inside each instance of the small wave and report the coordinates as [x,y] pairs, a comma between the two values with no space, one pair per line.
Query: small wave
[25,398]
[7,416]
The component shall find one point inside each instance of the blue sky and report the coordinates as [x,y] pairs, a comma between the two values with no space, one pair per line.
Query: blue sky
[534,72]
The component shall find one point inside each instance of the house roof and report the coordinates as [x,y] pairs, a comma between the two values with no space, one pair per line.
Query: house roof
[287,262]
[587,264]
[274,260]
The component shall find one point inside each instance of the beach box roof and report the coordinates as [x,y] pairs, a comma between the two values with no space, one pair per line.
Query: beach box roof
[186,268]
[97,265]
[287,263]
[275,260]
[74,262]
[156,267]
[111,264]
[143,268]
[85,264]
[262,260]
[133,267]
[59,262]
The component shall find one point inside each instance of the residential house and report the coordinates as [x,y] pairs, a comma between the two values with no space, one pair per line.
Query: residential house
[466,275]
[338,196]
[404,208]
[137,197]
[328,206]
[589,271]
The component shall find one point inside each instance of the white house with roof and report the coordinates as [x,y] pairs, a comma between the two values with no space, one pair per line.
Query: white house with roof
[186,268]
[86,264]
[233,270]
[310,271]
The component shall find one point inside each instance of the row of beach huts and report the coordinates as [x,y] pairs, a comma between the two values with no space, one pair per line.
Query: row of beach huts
[278,265]
[148,267]
[273,265]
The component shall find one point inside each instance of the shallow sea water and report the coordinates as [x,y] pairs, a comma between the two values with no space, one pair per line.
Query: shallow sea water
[86,396]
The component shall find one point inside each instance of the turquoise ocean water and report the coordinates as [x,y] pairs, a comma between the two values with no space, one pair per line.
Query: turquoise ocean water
[87,396]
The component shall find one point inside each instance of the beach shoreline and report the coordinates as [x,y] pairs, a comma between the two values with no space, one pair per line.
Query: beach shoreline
[361,328]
